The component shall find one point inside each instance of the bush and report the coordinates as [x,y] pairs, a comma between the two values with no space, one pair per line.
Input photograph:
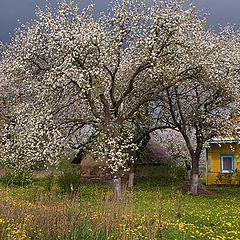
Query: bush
[16,178]
[232,178]
[46,182]
[173,172]
[69,180]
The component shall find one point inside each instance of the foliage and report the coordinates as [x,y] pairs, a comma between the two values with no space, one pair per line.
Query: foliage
[170,172]
[228,178]
[174,171]
[47,182]
[69,180]
[12,178]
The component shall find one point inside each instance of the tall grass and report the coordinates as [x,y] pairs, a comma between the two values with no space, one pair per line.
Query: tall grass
[58,216]
[148,212]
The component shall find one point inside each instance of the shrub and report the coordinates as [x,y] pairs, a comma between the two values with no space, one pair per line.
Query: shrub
[46,182]
[69,180]
[13,178]
[172,171]
[229,178]
[236,177]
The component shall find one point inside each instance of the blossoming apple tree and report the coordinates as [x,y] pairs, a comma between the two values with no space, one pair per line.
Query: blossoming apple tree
[84,77]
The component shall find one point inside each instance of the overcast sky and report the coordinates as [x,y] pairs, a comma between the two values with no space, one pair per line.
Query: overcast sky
[220,12]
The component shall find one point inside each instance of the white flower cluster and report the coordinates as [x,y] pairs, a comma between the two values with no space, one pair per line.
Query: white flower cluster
[72,74]
[29,140]
[116,148]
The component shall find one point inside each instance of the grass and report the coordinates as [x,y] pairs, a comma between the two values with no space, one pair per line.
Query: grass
[150,211]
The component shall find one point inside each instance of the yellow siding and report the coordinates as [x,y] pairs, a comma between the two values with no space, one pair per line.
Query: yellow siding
[214,152]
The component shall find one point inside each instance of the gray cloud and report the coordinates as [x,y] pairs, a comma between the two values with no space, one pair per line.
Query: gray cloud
[221,12]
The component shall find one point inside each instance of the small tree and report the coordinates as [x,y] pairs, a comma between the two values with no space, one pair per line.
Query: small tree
[204,106]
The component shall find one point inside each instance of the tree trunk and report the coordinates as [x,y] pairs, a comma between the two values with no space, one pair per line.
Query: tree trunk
[117,189]
[132,173]
[194,175]
[131,179]
[194,184]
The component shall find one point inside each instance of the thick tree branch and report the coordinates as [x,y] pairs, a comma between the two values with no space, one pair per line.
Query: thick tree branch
[106,108]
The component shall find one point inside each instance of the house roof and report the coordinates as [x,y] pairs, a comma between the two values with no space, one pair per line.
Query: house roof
[152,154]
[222,140]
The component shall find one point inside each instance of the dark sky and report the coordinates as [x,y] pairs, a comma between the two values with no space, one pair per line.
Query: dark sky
[221,12]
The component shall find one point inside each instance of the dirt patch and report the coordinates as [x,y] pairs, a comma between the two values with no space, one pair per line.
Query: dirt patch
[201,189]
[2,171]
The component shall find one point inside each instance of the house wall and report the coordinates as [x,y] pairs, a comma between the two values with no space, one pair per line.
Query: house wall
[92,168]
[213,159]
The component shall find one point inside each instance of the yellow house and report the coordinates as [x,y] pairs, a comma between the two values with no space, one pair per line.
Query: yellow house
[223,161]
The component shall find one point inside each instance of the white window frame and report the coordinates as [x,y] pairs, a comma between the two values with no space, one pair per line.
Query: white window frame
[221,162]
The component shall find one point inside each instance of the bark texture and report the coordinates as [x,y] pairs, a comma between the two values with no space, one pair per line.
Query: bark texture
[195,170]
[131,179]
[194,184]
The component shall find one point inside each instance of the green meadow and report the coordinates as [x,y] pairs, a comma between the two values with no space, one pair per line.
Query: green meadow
[149,211]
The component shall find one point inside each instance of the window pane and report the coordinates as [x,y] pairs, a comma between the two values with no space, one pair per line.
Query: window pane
[227,163]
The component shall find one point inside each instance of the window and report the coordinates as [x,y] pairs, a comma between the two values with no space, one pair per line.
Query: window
[227,163]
